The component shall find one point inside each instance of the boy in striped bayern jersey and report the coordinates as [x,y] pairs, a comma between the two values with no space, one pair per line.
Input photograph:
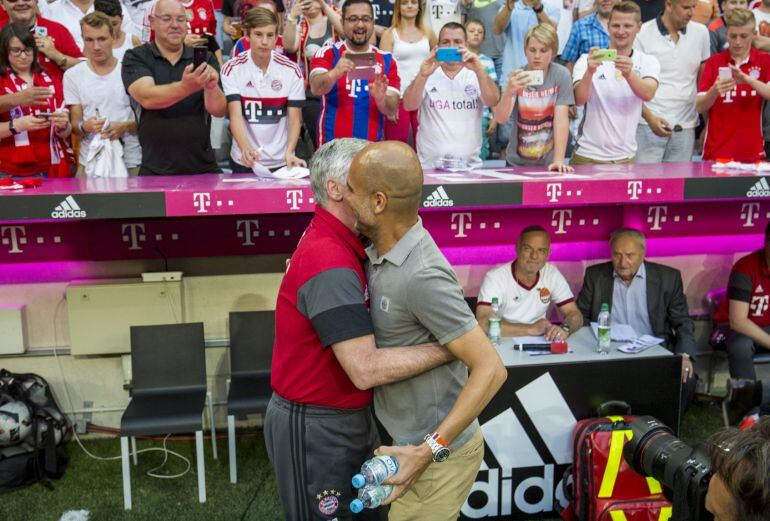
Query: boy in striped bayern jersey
[354,107]
[265,91]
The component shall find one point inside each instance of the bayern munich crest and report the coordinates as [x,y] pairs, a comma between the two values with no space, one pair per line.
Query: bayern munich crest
[276,85]
[471,91]
[328,501]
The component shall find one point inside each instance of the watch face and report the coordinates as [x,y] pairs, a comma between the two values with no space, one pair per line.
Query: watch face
[441,455]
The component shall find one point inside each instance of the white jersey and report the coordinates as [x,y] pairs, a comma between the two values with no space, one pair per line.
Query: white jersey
[265,98]
[520,304]
[450,107]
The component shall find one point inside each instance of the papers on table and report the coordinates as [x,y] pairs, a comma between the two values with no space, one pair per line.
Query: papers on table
[519,340]
[640,344]
[618,332]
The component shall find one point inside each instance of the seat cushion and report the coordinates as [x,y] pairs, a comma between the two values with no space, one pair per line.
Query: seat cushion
[249,395]
[163,414]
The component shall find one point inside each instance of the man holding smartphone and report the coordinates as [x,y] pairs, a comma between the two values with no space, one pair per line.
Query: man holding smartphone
[357,105]
[177,99]
[450,96]
[732,92]
[613,84]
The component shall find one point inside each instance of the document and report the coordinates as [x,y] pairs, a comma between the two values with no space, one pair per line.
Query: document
[618,332]
[640,344]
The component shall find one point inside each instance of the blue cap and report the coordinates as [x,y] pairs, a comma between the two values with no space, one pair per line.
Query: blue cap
[356,506]
[358,481]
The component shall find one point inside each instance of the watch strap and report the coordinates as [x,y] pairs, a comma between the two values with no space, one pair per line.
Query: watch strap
[12,127]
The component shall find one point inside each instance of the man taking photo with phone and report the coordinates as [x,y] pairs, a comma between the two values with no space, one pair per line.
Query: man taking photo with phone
[450,90]
[177,98]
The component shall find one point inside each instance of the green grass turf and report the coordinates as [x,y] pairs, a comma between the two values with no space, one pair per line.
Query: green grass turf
[96,485]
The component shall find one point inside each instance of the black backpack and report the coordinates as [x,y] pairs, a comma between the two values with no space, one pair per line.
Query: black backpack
[35,452]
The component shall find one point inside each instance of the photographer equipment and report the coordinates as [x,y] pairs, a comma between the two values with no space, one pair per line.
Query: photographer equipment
[655,451]
[604,487]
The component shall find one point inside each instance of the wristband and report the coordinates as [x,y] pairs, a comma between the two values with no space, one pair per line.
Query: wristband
[12,128]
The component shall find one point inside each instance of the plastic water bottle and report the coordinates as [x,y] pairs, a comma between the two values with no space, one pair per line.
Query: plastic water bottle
[370,497]
[375,471]
[603,323]
[494,323]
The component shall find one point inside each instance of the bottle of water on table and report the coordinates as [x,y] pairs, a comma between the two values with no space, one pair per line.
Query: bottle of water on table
[375,471]
[603,323]
[494,323]
[370,497]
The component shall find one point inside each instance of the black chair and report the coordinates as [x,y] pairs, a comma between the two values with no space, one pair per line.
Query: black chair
[169,391]
[252,334]
[718,337]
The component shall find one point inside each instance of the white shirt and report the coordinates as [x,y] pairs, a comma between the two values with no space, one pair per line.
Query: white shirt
[265,98]
[520,304]
[679,64]
[92,91]
[613,111]
[69,15]
[119,52]
[450,111]
[440,12]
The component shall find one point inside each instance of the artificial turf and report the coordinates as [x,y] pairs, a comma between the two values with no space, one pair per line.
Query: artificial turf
[96,485]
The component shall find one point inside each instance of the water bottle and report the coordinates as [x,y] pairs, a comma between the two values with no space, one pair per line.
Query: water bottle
[494,323]
[375,471]
[370,497]
[603,323]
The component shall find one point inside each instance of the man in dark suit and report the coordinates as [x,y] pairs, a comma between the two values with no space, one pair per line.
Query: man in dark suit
[644,295]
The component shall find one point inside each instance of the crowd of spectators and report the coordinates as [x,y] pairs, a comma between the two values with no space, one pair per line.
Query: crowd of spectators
[651,81]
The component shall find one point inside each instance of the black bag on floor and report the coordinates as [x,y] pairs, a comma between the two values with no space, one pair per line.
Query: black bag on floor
[33,431]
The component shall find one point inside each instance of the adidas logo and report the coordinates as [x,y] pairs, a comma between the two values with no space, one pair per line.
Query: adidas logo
[553,422]
[759,289]
[434,90]
[249,85]
[760,189]
[439,197]
[68,209]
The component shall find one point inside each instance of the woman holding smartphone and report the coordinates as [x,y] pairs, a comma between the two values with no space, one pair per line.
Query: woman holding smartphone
[410,40]
[310,25]
[540,119]
[32,133]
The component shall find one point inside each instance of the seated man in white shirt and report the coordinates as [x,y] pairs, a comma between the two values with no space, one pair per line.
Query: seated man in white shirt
[613,92]
[526,288]
[451,96]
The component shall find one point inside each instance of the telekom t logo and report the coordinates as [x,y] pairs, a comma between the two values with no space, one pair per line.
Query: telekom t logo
[247,230]
[634,189]
[134,235]
[202,201]
[561,219]
[14,236]
[759,304]
[749,213]
[461,221]
[657,216]
[553,192]
[294,199]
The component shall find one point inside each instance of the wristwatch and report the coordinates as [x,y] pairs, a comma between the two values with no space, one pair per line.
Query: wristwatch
[565,327]
[438,446]
[538,10]
[12,128]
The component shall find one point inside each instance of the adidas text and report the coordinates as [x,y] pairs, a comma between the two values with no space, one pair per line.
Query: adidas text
[438,198]
[68,209]
[759,189]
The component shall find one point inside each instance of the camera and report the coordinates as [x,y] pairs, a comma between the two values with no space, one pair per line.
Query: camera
[655,451]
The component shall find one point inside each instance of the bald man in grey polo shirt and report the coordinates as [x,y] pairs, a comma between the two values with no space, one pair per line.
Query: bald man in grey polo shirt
[415,297]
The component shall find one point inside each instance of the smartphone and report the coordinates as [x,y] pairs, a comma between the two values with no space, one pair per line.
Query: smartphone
[44,115]
[365,65]
[725,73]
[448,54]
[40,31]
[535,77]
[605,55]
[200,55]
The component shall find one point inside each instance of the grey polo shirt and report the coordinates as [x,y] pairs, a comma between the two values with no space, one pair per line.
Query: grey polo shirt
[415,298]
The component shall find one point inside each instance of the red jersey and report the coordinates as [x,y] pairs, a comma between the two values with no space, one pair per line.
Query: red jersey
[347,110]
[750,283]
[37,151]
[64,43]
[200,18]
[322,301]
[734,128]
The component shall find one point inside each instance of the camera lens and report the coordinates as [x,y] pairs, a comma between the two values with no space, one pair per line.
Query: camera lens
[655,451]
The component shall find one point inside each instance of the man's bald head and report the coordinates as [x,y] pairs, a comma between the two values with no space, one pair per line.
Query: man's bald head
[391,167]
[167,7]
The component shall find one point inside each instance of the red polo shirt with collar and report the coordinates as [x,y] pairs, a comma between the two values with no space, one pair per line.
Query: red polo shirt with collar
[750,283]
[323,300]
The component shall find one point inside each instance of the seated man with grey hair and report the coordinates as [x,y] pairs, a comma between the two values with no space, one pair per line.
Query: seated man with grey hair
[318,425]
[647,296]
